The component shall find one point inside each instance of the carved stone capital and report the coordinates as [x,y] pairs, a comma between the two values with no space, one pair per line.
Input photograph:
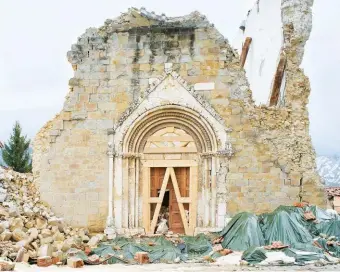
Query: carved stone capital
[110,151]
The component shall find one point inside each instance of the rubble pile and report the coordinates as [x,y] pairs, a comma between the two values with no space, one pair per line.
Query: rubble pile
[29,225]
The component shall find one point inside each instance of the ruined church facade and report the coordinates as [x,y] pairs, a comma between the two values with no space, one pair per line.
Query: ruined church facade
[160,115]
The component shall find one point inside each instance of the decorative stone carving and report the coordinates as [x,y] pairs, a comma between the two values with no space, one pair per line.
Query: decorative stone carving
[110,150]
[186,85]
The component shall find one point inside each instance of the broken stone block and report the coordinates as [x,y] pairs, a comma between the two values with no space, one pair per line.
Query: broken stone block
[6,265]
[58,236]
[19,235]
[66,246]
[3,194]
[142,257]
[33,233]
[3,212]
[13,211]
[40,223]
[20,255]
[47,240]
[55,260]
[29,224]
[75,262]
[6,236]
[46,233]
[94,258]
[16,223]
[23,243]
[93,241]
[44,261]
[45,250]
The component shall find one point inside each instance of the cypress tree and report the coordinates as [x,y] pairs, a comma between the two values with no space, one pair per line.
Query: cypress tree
[16,152]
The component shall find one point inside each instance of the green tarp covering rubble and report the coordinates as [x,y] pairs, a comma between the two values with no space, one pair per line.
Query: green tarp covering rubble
[242,232]
[284,234]
[330,228]
[285,224]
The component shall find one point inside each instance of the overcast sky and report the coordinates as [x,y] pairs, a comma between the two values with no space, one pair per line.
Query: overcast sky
[36,35]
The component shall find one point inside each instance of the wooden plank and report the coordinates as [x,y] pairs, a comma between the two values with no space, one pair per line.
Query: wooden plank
[275,94]
[155,200]
[180,138]
[184,200]
[169,163]
[170,150]
[146,194]
[245,50]
[193,196]
[178,197]
[159,204]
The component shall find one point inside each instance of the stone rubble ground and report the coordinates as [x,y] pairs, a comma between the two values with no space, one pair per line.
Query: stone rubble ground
[27,222]
[175,267]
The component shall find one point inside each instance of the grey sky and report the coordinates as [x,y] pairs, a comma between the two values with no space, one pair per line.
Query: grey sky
[36,34]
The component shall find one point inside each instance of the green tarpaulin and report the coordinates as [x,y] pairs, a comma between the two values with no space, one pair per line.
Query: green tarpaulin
[242,232]
[330,228]
[254,255]
[285,224]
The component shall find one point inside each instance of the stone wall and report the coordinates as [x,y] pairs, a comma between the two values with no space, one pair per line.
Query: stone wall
[113,66]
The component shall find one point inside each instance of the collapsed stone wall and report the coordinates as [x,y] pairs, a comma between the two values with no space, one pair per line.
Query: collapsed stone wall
[114,66]
[26,221]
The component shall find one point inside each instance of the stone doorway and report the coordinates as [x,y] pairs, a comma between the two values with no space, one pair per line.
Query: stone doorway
[170,208]
[169,137]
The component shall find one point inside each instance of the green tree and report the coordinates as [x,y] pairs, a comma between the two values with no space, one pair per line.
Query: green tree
[16,152]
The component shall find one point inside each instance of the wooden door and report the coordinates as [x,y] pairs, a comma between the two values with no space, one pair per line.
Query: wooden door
[156,176]
[183,180]
[182,176]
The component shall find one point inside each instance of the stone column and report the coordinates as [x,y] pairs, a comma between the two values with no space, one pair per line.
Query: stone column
[118,189]
[110,230]
[213,192]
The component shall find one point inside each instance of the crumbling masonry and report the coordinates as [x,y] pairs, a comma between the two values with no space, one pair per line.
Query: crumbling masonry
[141,79]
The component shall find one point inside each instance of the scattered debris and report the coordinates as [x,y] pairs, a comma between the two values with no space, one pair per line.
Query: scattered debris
[142,257]
[162,227]
[275,245]
[75,262]
[6,265]
[44,261]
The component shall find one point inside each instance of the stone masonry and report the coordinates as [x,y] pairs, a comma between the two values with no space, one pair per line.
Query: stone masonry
[273,162]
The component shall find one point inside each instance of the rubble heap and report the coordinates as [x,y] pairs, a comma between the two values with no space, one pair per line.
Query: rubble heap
[29,225]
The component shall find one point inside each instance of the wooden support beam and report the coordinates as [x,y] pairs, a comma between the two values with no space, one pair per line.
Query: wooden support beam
[275,93]
[146,194]
[245,50]
[161,196]
[159,150]
[169,163]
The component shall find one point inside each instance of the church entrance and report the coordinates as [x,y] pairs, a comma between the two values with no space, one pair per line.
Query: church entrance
[170,184]
[164,159]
